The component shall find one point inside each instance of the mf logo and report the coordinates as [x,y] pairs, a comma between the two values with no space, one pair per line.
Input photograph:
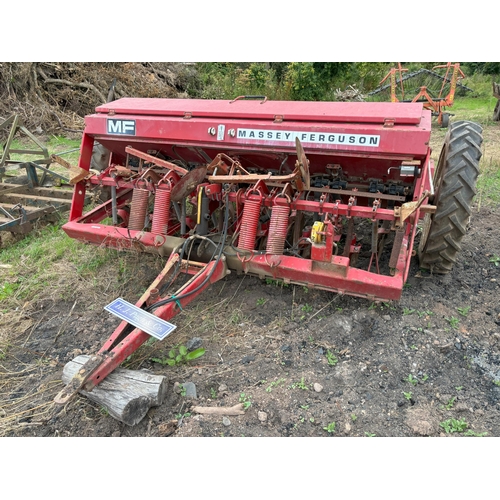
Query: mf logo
[125,127]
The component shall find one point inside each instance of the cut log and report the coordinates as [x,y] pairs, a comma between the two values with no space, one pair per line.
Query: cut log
[126,394]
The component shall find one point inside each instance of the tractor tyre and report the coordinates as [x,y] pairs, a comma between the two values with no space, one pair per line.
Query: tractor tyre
[454,190]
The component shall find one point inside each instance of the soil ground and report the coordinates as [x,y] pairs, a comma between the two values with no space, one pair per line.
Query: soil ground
[300,359]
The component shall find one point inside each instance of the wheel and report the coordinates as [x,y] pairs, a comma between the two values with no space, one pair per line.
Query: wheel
[445,120]
[454,190]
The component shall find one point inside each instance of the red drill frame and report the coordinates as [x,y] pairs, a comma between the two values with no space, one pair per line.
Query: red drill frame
[279,186]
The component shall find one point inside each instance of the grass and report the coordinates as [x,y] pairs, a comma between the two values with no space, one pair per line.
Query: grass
[68,149]
[47,263]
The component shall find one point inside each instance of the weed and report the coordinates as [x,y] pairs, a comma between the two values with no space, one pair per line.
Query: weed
[330,428]
[414,347]
[459,388]
[7,290]
[453,425]
[270,281]
[412,380]
[421,314]
[104,411]
[463,310]
[306,308]
[269,388]
[236,317]
[311,419]
[495,259]
[213,393]
[454,322]
[178,416]
[407,311]
[332,359]
[245,400]
[179,355]
[450,403]
[261,301]
[354,417]
[496,382]
[425,377]
[305,407]
[369,434]
[183,391]
[407,395]
[300,385]
[470,432]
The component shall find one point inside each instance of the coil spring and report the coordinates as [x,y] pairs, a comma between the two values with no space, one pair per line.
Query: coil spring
[278,228]
[249,224]
[161,211]
[138,209]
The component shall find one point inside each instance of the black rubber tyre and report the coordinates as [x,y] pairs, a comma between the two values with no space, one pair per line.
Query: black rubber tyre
[445,120]
[454,190]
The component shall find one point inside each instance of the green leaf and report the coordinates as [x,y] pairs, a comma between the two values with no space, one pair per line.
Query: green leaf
[178,358]
[195,354]
[182,350]
[171,362]
[171,353]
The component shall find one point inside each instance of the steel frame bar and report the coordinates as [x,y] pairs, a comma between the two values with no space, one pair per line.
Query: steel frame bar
[122,344]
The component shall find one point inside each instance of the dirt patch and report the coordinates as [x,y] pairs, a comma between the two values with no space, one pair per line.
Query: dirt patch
[304,362]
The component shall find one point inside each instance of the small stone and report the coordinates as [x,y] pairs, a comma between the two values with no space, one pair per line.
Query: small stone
[286,348]
[317,387]
[348,427]
[247,359]
[386,317]
[262,416]
[222,390]
[190,389]
[193,343]
[226,421]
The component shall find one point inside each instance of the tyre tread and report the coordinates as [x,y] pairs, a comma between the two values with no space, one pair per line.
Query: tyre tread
[449,223]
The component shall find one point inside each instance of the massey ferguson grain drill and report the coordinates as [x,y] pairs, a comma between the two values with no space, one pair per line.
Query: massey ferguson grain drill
[327,195]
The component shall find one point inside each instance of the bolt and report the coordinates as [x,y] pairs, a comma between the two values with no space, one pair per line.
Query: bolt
[211,130]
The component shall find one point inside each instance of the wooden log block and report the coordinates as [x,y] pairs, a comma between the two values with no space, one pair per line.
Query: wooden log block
[127,394]
[77,174]
[496,93]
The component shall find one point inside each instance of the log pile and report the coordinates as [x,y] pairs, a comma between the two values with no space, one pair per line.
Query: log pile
[351,93]
[53,97]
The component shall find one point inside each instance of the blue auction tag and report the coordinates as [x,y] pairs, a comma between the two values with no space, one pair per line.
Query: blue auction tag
[147,322]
